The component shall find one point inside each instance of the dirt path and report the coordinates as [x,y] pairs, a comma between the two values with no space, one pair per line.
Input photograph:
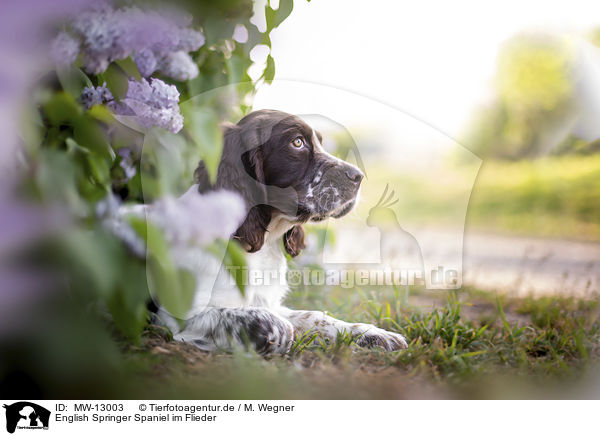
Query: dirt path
[518,265]
[541,266]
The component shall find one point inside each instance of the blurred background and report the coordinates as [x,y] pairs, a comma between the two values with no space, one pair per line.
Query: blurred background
[482,118]
[493,105]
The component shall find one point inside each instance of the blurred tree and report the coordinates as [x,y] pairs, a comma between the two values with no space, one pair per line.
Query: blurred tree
[533,101]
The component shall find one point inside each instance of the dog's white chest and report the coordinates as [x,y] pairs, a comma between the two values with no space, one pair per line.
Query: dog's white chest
[264,276]
[267,269]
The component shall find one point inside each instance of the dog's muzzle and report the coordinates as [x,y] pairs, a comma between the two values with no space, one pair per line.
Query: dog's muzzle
[336,191]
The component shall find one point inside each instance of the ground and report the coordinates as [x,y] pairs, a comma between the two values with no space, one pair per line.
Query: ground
[463,344]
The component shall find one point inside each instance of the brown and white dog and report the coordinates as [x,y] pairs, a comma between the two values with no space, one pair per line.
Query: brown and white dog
[276,162]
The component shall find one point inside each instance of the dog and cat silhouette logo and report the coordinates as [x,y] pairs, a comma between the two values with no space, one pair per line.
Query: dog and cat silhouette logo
[26,415]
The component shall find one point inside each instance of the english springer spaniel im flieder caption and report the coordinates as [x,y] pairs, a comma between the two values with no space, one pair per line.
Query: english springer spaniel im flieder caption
[275,161]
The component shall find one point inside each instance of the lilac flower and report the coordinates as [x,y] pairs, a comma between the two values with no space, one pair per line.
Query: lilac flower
[64,49]
[193,219]
[153,103]
[198,219]
[103,38]
[146,62]
[127,163]
[179,65]
[110,212]
[190,40]
[107,207]
[93,96]
[149,35]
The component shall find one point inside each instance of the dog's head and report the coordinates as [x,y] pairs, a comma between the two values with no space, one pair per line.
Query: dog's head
[277,163]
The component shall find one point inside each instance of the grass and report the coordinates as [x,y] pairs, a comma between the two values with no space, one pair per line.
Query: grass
[555,196]
[464,344]
[550,197]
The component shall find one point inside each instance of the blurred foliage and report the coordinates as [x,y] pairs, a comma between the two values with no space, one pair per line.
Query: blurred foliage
[533,100]
[533,75]
[76,158]
[533,118]
[553,196]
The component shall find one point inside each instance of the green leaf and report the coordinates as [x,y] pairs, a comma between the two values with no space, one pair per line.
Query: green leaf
[99,170]
[269,17]
[472,353]
[167,163]
[174,288]
[73,147]
[101,113]
[96,167]
[62,108]
[96,258]
[90,135]
[128,305]
[129,66]
[266,40]
[73,80]
[236,68]
[216,29]
[254,38]
[234,260]
[284,11]
[505,323]
[55,179]
[116,80]
[128,308]
[203,126]
[269,72]
[274,17]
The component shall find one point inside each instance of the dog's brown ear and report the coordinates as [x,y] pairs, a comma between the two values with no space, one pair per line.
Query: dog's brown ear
[241,171]
[251,234]
[293,241]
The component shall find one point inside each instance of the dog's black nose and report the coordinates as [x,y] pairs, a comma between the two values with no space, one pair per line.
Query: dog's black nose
[354,174]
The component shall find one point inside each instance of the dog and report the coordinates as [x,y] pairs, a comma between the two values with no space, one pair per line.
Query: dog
[277,164]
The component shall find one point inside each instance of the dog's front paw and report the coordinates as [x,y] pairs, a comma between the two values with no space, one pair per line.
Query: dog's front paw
[371,336]
[269,333]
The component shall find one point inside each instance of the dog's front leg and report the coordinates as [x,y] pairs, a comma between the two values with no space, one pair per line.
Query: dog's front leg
[225,328]
[367,335]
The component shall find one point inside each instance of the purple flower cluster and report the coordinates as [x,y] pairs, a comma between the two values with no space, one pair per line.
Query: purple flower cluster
[193,219]
[198,219]
[64,49]
[157,39]
[153,103]
[127,163]
[109,211]
[179,65]
[91,96]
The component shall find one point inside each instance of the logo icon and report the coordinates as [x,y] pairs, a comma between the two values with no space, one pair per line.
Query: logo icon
[26,415]
[399,248]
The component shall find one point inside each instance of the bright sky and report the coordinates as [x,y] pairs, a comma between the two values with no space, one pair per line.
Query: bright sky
[434,60]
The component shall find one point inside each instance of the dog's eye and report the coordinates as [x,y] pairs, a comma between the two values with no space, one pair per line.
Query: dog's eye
[298,142]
